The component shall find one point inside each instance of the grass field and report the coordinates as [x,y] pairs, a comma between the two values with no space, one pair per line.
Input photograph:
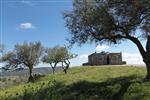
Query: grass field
[85,83]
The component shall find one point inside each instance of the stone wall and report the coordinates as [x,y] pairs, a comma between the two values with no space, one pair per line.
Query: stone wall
[105,59]
[98,59]
[115,58]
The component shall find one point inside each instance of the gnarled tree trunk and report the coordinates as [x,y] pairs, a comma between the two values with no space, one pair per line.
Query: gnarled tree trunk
[65,71]
[147,59]
[65,68]
[148,71]
[31,78]
[144,53]
[53,68]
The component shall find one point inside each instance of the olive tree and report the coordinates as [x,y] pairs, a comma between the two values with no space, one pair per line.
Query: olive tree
[111,21]
[65,57]
[52,56]
[27,54]
[56,55]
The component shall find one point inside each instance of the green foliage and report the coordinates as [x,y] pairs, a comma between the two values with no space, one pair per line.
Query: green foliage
[85,83]
[53,55]
[108,21]
[58,54]
[27,54]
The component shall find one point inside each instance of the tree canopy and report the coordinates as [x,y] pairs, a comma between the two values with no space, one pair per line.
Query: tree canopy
[52,56]
[58,54]
[108,20]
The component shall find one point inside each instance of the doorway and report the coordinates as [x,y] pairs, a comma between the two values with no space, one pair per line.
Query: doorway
[108,60]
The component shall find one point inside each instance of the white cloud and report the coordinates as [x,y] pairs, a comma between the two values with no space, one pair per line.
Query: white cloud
[132,58]
[26,26]
[79,60]
[100,48]
[28,3]
[25,2]
[84,56]
[18,3]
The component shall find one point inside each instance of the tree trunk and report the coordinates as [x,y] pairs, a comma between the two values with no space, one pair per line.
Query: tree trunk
[144,53]
[53,68]
[148,71]
[31,78]
[147,59]
[67,66]
[65,70]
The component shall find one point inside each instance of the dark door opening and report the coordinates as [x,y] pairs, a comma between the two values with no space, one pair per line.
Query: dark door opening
[108,60]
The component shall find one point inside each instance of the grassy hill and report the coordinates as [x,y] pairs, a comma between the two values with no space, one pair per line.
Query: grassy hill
[85,83]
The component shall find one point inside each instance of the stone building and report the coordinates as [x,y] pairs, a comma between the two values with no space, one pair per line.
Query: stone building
[105,58]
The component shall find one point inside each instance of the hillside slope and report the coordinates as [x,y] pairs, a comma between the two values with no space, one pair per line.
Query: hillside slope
[25,72]
[85,83]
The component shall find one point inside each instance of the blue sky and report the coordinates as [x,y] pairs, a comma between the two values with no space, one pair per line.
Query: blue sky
[42,20]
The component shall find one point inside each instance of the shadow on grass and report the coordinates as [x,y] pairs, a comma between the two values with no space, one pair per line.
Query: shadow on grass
[111,89]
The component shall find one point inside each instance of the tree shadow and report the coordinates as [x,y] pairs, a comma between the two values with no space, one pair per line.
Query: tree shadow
[111,89]
[45,93]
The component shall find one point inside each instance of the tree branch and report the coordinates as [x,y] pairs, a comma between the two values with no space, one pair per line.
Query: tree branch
[138,44]
[63,66]
[127,36]
[148,47]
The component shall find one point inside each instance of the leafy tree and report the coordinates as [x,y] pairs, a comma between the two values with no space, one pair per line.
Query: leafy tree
[27,54]
[52,56]
[111,21]
[56,55]
[65,57]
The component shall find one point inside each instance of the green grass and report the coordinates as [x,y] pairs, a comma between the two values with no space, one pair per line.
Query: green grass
[85,83]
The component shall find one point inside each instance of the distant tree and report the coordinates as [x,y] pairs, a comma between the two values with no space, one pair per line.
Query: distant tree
[65,57]
[111,21]
[58,54]
[27,54]
[52,56]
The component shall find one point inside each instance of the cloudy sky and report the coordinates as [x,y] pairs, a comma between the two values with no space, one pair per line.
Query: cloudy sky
[42,20]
